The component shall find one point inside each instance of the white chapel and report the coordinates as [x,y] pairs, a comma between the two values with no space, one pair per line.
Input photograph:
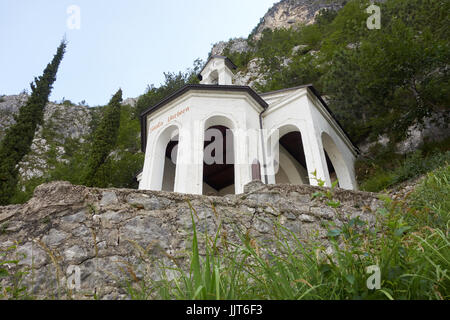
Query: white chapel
[214,137]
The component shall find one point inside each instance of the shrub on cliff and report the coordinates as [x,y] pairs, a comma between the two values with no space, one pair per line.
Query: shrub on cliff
[376,81]
[104,141]
[19,137]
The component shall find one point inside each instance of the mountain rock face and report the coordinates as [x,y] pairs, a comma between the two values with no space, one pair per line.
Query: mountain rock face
[287,13]
[113,235]
[252,75]
[235,45]
[9,106]
[130,101]
[74,115]
[61,123]
[434,129]
[284,14]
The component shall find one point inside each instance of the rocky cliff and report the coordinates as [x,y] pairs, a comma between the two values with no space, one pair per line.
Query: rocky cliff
[284,14]
[61,123]
[287,13]
[112,235]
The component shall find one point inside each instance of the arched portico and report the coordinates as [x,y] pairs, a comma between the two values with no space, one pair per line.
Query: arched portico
[219,154]
[164,159]
[343,172]
[286,156]
[289,169]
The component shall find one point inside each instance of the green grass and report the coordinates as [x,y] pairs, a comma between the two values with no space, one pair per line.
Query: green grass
[14,290]
[410,245]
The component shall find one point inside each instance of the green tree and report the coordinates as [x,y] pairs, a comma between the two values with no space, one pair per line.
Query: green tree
[395,77]
[19,137]
[103,142]
[120,170]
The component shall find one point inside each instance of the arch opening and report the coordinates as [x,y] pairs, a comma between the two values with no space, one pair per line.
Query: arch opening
[164,160]
[331,169]
[219,177]
[213,77]
[290,162]
[218,164]
[170,161]
[337,167]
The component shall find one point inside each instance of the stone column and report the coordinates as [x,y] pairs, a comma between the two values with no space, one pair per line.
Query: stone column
[189,172]
[321,166]
[315,157]
[239,150]
[246,150]
[271,154]
[145,182]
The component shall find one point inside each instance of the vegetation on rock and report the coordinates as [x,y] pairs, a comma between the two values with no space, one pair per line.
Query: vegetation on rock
[376,81]
[19,137]
[103,142]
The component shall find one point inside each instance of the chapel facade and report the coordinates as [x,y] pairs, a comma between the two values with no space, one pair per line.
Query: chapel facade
[215,137]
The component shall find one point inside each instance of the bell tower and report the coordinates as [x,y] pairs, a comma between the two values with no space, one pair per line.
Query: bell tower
[218,70]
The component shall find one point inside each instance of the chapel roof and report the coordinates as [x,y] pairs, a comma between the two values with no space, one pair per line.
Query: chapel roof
[258,98]
[195,87]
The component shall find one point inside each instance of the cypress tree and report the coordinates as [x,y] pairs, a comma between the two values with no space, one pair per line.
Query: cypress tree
[19,137]
[104,141]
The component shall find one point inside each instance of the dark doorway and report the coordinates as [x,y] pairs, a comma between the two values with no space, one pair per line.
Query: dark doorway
[218,177]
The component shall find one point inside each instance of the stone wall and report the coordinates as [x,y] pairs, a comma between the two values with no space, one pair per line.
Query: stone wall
[104,231]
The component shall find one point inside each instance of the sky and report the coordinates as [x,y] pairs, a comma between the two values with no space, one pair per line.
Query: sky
[114,44]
